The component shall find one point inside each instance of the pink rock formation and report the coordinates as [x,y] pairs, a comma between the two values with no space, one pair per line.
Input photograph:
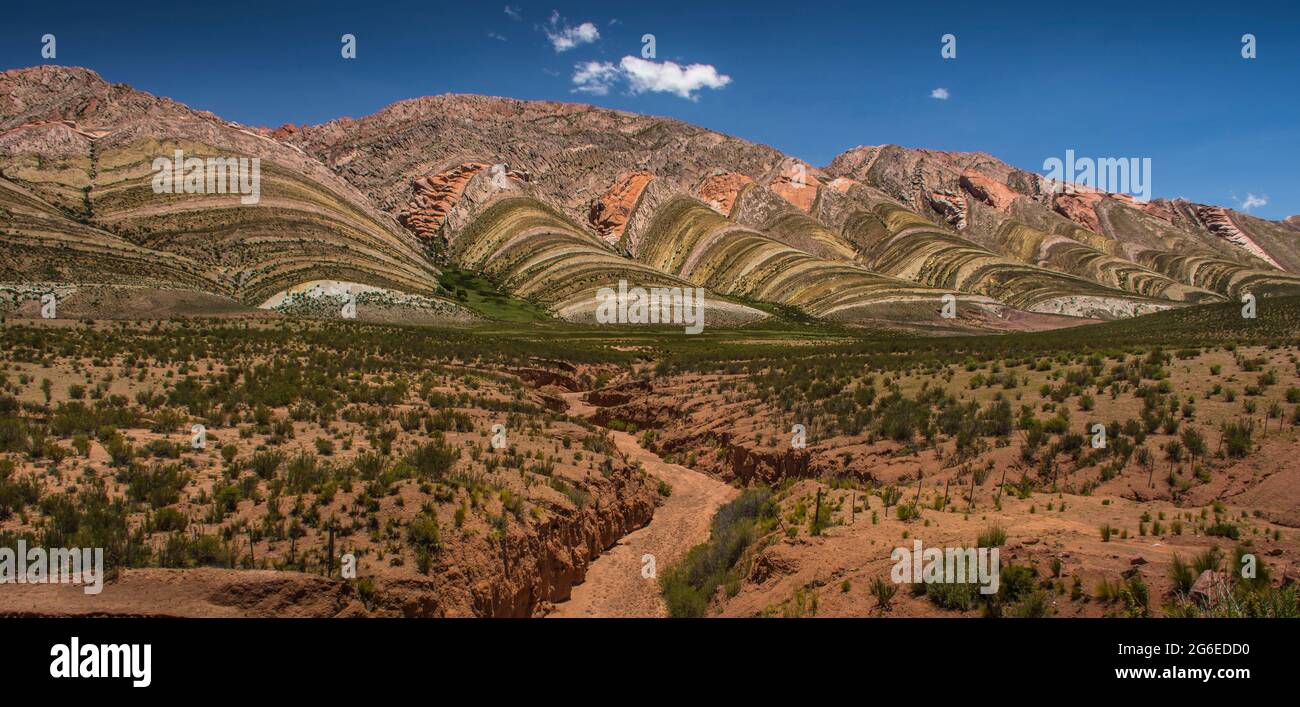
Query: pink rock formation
[720,191]
[797,185]
[435,195]
[989,191]
[609,214]
[285,131]
[1079,208]
[843,184]
[1218,220]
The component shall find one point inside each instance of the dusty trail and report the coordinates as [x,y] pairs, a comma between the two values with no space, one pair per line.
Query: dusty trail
[614,586]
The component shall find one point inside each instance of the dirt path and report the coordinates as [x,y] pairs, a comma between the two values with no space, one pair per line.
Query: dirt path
[614,586]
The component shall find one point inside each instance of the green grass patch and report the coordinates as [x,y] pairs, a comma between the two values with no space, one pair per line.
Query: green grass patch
[475,292]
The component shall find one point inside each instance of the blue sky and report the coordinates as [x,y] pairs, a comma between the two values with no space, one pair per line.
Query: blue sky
[813,79]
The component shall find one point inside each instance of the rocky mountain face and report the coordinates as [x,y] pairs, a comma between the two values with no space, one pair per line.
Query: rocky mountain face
[573,152]
[983,199]
[80,156]
[555,200]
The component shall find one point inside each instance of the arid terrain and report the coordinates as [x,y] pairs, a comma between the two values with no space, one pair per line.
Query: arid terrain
[619,448]
[386,386]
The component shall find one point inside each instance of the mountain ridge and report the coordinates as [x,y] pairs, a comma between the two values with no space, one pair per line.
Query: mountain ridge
[376,202]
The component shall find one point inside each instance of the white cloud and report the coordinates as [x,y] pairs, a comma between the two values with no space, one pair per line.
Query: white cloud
[496,36]
[940,93]
[594,77]
[514,13]
[642,76]
[563,37]
[667,77]
[1251,202]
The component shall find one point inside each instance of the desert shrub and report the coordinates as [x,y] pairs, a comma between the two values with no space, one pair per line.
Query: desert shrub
[1237,438]
[883,592]
[1223,529]
[266,464]
[16,494]
[1015,582]
[1035,605]
[167,520]
[303,473]
[1181,574]
[1210,559]
[956,596]
[181,550]
[992,536]
[422,532]
[159,485]
[900,418]
[433,459]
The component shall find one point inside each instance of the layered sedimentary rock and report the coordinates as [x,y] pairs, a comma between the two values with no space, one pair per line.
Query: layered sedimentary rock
[1125,243]
[538,254]
[610,212]
[72,144]
[676,233]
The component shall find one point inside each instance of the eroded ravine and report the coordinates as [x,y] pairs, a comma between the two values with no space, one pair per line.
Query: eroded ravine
[615,585]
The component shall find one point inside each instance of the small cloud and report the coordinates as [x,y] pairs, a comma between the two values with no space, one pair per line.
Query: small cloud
[939,93]
[514,13]
[667,77]
[563,37]
[1250,202]
[594,77]
[496,36]
[642,76]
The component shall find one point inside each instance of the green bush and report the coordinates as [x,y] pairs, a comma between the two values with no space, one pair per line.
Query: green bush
[993,536]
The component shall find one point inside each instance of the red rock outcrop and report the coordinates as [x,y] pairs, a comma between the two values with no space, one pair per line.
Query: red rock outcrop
[989,191]
[1079,208]
[843,184]
[797,185]
[609,214]
[435,195]
[720,191]
[285,131]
